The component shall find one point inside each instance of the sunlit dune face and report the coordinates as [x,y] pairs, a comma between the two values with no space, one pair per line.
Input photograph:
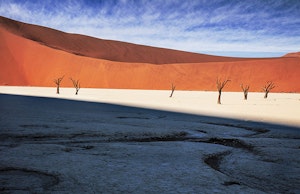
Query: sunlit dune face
[27,62]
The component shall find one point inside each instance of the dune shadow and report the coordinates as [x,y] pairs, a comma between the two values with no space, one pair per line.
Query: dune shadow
[79,127]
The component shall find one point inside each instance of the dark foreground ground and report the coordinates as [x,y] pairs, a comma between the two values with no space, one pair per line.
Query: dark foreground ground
[62,146]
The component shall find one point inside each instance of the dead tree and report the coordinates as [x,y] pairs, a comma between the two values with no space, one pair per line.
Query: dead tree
[76,85]
[57,82]
[268,87]
[173,89]
[220,86]
[245,90]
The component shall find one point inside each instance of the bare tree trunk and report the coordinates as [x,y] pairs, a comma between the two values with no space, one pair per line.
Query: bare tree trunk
[57,82]
[220,86]
[266,94]
[268,87]
[76,85]
[173,89]
[219,98]
[245,95]
[245,90]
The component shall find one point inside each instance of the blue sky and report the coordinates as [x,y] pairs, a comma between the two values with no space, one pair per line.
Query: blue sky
[246,28]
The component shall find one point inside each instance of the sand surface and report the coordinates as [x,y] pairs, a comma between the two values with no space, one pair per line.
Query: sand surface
[279,108]
[102,141]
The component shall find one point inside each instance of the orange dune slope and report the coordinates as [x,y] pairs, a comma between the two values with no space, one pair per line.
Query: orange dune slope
[105,49]
[296,54]
[27,62]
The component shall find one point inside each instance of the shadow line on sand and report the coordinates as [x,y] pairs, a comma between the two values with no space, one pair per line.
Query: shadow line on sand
[57,105]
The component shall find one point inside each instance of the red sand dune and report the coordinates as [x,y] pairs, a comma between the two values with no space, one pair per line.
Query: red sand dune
[34,56]
[105,49]
[296,54]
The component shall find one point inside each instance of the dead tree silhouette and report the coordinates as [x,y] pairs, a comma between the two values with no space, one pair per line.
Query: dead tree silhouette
[268,87]
[57,82]
[220,86]
[245,90]
[76,85]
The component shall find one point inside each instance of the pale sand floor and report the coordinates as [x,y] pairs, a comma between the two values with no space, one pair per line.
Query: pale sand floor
[278,108]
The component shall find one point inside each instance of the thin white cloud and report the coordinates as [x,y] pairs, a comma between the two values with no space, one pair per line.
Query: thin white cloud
[197,26]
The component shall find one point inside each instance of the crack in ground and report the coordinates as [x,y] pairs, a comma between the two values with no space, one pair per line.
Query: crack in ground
[88,138]
[214,160]
[181,136]
[229,183]
[22,179]
[257,182]
[235,143]
[122,117]
[257,131]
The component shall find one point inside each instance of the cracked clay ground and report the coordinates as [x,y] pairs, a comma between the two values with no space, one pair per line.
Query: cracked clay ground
[63,146]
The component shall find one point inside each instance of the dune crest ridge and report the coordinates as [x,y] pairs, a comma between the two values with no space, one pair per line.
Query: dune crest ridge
[105,49]
[295,54]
